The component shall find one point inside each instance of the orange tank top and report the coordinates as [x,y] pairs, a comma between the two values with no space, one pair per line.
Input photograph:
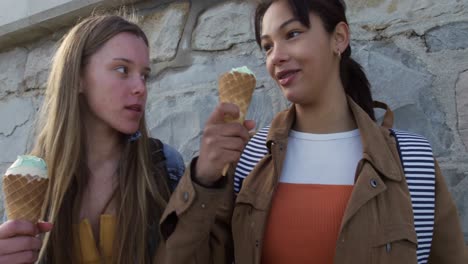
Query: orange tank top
[304,223]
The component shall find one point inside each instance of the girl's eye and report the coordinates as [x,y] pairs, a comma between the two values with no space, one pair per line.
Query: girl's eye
[266,47]
[144,77]
[122,69]
[293,34]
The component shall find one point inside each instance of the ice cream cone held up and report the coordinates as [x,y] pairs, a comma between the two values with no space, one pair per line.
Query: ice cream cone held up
[24,186]
[237,87]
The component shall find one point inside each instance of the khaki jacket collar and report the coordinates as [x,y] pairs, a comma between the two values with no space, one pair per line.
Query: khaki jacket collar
[374,138]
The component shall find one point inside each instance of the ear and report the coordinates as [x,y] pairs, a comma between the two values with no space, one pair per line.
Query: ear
[340,39]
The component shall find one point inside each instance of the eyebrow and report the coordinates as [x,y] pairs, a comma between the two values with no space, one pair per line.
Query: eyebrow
[283,26]
[148,69]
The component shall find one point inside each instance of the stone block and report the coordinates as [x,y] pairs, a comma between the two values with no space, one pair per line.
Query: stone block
[15,144]
[164,29]
[3,168]
[360,4]
[38,65]
[222,26]
[179,120]
[15,128]
[457,181]
[14,113]
[401,80]
[397,77]
[414,119]
[461,89]
[12,65]
[452,36]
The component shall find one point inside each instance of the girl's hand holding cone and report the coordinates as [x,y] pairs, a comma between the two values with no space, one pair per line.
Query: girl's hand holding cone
[222,143]
[19,242]
[24,187]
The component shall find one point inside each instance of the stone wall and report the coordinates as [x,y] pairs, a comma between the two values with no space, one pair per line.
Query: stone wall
[414,52]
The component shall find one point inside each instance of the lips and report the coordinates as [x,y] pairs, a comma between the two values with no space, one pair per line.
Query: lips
[135,107]
[286,77]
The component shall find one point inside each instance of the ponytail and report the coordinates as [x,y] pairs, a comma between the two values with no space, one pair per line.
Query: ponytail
[355,83]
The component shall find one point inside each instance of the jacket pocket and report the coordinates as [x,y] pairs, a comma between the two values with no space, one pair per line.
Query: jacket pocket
[395,244]
[249,215]
[258,201]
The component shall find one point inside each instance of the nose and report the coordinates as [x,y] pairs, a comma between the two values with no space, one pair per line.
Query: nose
[279,54]
[139,87]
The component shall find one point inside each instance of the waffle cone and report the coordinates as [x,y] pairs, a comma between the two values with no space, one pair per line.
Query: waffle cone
[24,196]
[237,88]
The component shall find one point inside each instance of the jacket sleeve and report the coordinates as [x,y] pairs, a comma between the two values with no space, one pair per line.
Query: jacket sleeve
[195,225]
[448,245]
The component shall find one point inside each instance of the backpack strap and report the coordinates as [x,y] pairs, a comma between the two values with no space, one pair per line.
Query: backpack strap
[173,169]
[172,160]
[254,151]
[419,167]
[174,164]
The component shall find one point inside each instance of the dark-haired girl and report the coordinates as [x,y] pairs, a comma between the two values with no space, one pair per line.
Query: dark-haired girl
[330,187]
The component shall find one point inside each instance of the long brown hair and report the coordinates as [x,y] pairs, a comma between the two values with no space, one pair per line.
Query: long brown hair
[61,142]
[331,12]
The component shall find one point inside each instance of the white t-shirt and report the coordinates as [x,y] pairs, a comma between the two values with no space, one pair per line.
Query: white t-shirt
[326,159]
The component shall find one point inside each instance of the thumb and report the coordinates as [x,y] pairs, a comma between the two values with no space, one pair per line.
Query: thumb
[249,124]
[44,227]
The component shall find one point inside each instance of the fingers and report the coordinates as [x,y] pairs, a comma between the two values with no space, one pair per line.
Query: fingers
[18,244]
[226,130]
[222,143]
[209,166]
[44,227]
[222,138]
[18,241]
[228,156]
[249,124]
[221,146]
[217,117]
[14,228]
[20,257]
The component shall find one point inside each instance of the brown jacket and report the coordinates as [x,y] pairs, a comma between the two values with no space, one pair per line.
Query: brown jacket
[376,215]
[195,225]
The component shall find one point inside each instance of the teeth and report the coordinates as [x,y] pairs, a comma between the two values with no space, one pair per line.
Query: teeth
[284,76]
[288,74]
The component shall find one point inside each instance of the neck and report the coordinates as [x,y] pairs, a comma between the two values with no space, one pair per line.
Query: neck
[103,148]
[329,114]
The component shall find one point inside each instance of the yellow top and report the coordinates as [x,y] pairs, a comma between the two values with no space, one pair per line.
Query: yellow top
[90,253]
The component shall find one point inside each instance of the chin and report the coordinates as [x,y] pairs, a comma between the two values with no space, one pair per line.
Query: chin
[129,130]
[292,98]
[290,94]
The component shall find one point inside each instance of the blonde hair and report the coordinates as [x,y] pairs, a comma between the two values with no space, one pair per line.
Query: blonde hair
[61,142]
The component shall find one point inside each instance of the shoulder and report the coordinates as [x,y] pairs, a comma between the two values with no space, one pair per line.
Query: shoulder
[413,144]
[174,162]
[156,153]
[172,159]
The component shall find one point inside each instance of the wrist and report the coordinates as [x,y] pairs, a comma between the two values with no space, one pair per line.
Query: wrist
[203,181]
